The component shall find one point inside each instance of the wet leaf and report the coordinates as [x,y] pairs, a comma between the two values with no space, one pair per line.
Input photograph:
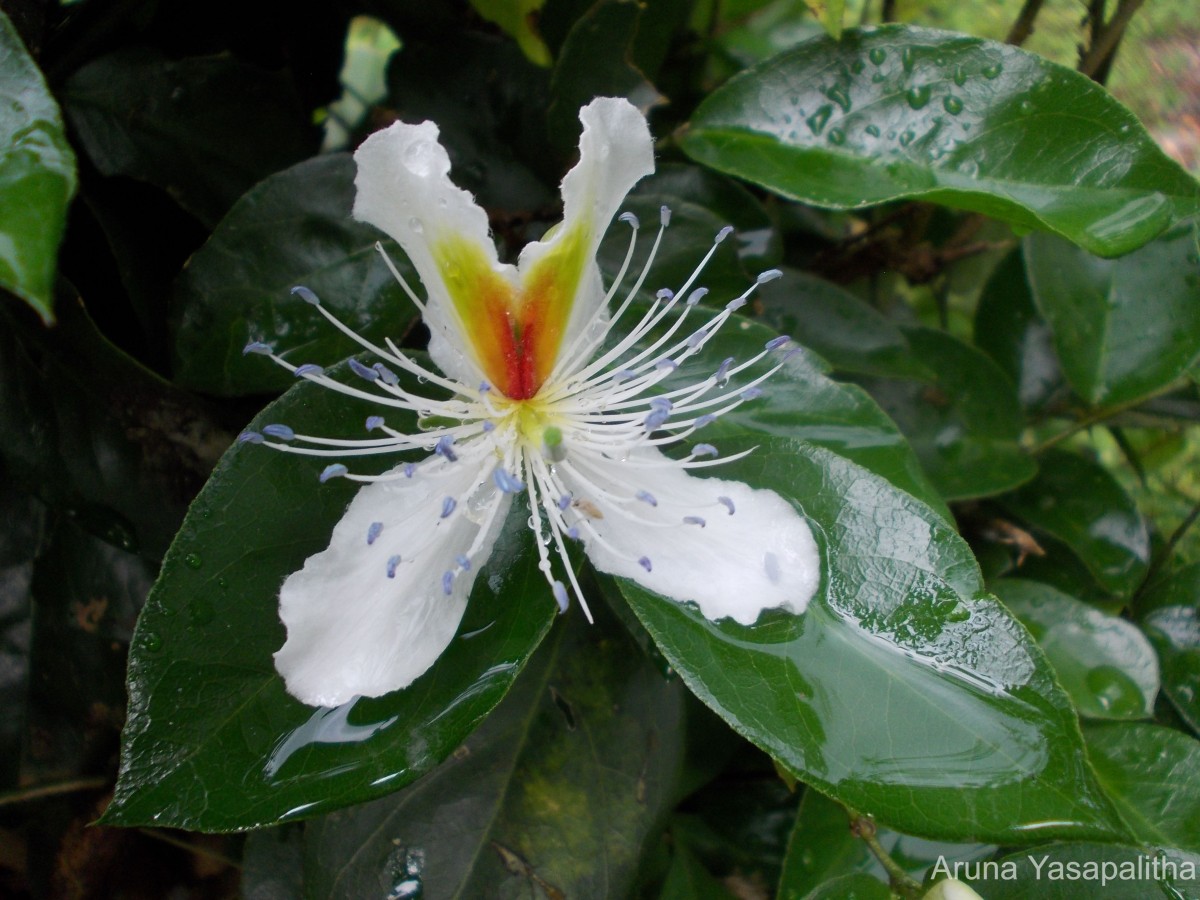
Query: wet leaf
[1104,662]
[902,112]
[203,129]
[1124,328]
[1152,775]
[292,229]
[37,177]
[901,649]
[965,425]
[1082,871]
[558,793]
[851,887]
[1169,613]
[1078,502]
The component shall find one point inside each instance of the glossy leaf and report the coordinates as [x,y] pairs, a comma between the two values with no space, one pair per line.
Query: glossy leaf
[37,177]
[203,129]
[851,887]
[1152,774]
[561,790]
[1104,662]
[1078,502]
[1083,871]
[1124,328]
[213,741]
[965,426]
[292,229]
[687,879]
[1009,328]
[1169,613]
[900,649]
[902,112]
[850,334]
[823,847]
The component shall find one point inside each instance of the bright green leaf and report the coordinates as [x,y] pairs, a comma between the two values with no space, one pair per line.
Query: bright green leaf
[901,112]
[1104,662]
[37,177]
[1124,328]
[518,18]
[900,650]
[1152,774]
[1084,871]
[1169,613]
[829,13]
[1078,502]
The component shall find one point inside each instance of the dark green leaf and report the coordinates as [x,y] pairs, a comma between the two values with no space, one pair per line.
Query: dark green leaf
[202,129]
[293,228]
[1152,775]
[965,426]
[561,789]
[769,29]
[852,335]
[1124,328]
[596,60]
[902,112]
[1169,612]
[900,649]
[851,887]
[687,879]
[1084,871]
[823,847]
[1011,331]
[518,19]
[1104,662]
[213,741]
[37,177]
[1079,503]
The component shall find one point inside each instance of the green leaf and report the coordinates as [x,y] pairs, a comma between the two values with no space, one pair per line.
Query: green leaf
[1170,615]
[966,425]
[37,177]
[1124,328]
[823,847]
[561,790]
[902,112]
[294,228]
[687,879]
[1152,775]
[829,13]
[851,334]
[1083,871]
[596,60]
[213,741]
[900,650]
[518,19]
[1104,662]
[1009,329]
[203,129]
[1078,502]
[851,887]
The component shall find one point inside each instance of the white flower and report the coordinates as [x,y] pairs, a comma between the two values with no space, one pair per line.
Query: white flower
[536,408]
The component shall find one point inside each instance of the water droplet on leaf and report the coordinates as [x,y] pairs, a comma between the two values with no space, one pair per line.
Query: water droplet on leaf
[877,55]
[818,119]
[918,97]
[1115,691]
[193,561]
[952,105]
[837,136]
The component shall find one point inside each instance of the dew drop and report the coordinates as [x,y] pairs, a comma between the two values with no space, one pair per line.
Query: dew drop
[877,55]
[416,225]
[952,105]
[151,641]
[958,613]
[992,71]
[1115,691]
[908,57]
[840,97]
[1025,107]
[818,119]
[418,158]
[857,66]
[878,78]
[940,60]
[193,561]
[960,76]
[873,130]
[837,136]
[918,97]
[906,138]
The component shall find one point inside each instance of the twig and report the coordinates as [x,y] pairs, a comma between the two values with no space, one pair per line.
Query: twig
[1169,547]
[1100,415]
[863,828]
[167,838]
[37,792]
[1105,38]
[888,13]
[1023,27]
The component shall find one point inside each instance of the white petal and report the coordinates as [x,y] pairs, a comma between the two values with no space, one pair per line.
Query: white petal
[352,630]
[762,556]
[615,152]
[403,187]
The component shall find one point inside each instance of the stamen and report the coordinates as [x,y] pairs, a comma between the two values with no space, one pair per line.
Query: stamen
[564,501]
[283,432]
[752,393]
[463,562]
[706,419]
[257,347]
[704,450]
[664,216]
[736,304]
[666,365]
[665,294]
[303,371]
[392,563]
[306,295]
[506,482]
[560,596]
[409,470]
[374,422]
[721,376]
[727,503]
[363,372]
[447,583]
[488,425]
[396,274]
[448,506]
[337,470]
[250,437]
[769,275]
[444,448]
[386,375]
[646,497]
[723,233]
[629,218]
[775,343]
[373,532]
[694,520]
[696,296]
[644,562]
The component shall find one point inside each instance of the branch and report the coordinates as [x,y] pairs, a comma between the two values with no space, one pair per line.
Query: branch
[1105,38]
[1023,27]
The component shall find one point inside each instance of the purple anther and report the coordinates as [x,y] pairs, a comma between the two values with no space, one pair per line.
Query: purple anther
[364,372]
[463,562]
[447,583]
[630,219]
[664,216]
[704,450]
[484,387]
[283,432]
[306,295]
[665,294]
[696,296]
[392,563]
[656,419]
[374,422]
[573,533]
[769,275]
[694,520]
[373,532]
[698,337]
[706,419]
[623,375]
[445,448]
[647,498]
[564,501]
[736,304]
[560,596]
[722,373]
[250,437]
[644,562]
[723,233]
[448,506]
[307,369]
[666,365]
[506,481]
[727,503]
[751,393]
[488,425]
[386,375]
[257,347]
[337,470]
[409,470]
[775,343]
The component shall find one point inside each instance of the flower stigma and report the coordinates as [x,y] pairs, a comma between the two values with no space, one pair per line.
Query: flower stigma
[546,394]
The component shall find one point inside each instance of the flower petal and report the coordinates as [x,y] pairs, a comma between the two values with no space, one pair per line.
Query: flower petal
[731,549]
[403,187]
[562,290]
[370,614]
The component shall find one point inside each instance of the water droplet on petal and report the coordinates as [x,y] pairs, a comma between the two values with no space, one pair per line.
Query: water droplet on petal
[840,97]
[416,225]
[418,158]
[200,611]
